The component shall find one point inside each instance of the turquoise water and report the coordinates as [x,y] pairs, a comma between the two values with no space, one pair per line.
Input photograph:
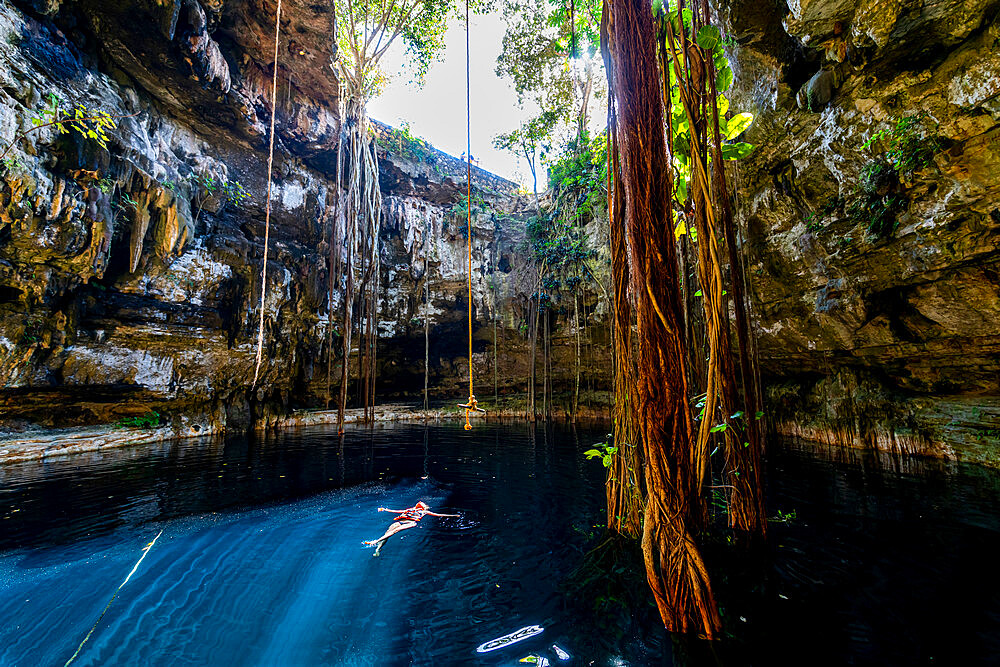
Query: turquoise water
[261,559]
[888,561]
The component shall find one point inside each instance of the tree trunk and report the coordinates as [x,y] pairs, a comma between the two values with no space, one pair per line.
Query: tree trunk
[624,488]
[743,473]
[674,566]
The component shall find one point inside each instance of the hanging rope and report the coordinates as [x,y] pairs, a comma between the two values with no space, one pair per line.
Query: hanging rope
[145,551]
[267,214]
[472,405]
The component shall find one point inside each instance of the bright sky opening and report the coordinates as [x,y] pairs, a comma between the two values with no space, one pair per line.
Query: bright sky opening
[436,110]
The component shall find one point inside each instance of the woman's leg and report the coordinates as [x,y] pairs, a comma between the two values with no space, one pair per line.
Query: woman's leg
[392,530]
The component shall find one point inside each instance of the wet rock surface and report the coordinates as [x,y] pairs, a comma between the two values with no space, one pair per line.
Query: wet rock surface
[130,275]
[127,284]
[878,289]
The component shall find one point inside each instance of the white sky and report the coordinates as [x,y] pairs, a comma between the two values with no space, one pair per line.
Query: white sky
[436,110]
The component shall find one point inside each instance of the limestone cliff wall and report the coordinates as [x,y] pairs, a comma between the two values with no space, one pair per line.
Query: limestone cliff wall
[128,284]
[888,338]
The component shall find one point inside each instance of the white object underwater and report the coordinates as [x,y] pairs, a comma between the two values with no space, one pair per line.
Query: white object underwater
[512,638]
[561,654]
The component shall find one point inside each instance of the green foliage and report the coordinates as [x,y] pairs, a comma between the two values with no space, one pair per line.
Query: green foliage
[907,146]
[89,123]
[539,38]
[13,166]
[582,171]
[532,139]
[151,419]
[877,177]
[604,451]
[32,331]
[232,191]
[402,142]
[557,243]
[879,212]
[550,54]
[367,28]
[458,214]
[785,517]
[126,202]
[815,220]
[730,127]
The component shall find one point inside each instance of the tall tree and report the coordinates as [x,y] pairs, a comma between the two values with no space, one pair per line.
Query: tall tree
[674,565]
[367,29]
[695,73]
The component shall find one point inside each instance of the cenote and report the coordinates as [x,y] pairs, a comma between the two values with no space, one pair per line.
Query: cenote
[389,332]
[885,560]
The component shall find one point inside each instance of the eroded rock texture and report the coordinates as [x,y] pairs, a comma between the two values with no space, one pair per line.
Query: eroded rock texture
[128,284]
[878,289]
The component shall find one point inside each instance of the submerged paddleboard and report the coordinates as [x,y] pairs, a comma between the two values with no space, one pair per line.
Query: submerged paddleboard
[512,638]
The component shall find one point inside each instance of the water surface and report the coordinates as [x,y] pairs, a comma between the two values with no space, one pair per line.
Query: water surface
[261,562]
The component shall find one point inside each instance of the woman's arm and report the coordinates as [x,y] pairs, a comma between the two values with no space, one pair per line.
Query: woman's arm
[436,514]
[386,509]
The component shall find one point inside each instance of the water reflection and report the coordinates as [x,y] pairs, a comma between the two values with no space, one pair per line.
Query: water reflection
[888,560]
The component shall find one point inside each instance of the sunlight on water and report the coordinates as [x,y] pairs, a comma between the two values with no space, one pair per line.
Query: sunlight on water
[261,560]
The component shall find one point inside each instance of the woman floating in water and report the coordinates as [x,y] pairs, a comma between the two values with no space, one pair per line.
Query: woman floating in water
[407,518]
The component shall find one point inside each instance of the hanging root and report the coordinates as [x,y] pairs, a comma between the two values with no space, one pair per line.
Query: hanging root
[267,214]
[363,213]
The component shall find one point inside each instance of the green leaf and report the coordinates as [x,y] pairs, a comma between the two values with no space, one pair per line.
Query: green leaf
[722,102]
[736,151]
[709,38]
[698,293]
[682,144]
[681,194]
[759,414]
[737,414]
[738,124]
[718,428]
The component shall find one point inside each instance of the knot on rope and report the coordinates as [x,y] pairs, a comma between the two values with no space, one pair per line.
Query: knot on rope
[471,406]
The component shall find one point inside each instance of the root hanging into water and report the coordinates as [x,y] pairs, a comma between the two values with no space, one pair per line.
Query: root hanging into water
[362,266]
[672,461]
[267,214]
